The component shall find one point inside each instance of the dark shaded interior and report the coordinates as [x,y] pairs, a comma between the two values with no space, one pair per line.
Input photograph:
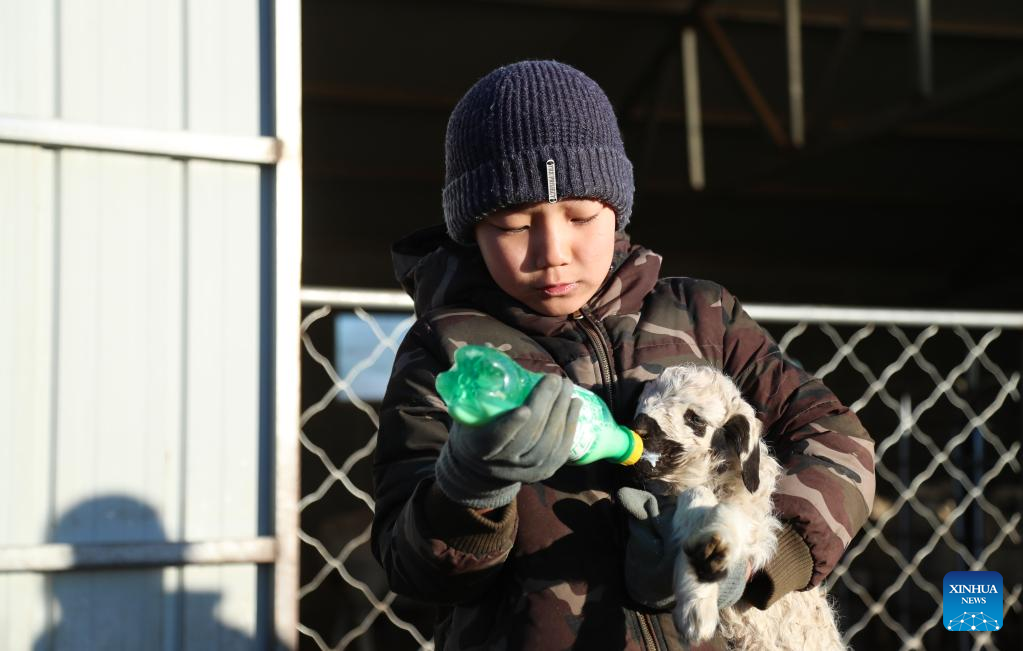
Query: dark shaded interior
[895,200]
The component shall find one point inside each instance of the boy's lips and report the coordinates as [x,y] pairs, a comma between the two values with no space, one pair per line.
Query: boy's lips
[559,289]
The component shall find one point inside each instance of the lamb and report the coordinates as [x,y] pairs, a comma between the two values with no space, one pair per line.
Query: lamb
[704,446]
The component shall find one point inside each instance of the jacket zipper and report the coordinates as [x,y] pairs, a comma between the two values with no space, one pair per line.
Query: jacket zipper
[646,631]
[603,349]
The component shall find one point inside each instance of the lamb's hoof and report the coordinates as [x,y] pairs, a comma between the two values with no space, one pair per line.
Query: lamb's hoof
[696,620]
[708,556]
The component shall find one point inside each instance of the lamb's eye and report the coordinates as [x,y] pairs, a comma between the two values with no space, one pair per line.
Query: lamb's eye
[695,422]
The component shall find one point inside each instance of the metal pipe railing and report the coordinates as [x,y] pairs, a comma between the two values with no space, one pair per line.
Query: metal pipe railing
[63,557]
[61,134]
[382,299]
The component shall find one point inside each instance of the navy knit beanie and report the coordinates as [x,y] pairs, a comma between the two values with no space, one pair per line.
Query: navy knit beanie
[527,132]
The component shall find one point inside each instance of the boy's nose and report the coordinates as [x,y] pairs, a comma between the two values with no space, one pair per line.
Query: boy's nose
[551,247]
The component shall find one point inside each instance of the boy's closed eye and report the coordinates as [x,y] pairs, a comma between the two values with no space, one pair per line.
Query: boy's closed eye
[511,229]
[585,220]
[509,226]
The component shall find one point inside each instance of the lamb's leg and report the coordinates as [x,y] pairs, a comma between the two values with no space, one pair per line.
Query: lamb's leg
[696,608]
[712,538]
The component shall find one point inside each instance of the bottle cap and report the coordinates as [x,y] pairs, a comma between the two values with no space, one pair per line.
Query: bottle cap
[635,452]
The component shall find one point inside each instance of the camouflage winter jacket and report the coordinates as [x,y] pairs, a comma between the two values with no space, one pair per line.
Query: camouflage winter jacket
[546,572]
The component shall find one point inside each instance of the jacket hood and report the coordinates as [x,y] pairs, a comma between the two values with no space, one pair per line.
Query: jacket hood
[438,272]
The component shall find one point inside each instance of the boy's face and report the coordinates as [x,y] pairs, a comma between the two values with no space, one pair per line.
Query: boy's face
[551,256]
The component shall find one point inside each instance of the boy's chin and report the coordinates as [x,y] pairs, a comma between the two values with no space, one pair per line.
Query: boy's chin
[559,306]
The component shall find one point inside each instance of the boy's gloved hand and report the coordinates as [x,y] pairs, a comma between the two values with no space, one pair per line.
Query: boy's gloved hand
[731,587]
[484,467]
[651,551]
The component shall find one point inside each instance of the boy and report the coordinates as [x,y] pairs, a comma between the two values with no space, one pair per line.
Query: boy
[522,551]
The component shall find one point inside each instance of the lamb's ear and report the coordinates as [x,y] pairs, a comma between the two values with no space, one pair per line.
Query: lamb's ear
[751,469]
[733,441]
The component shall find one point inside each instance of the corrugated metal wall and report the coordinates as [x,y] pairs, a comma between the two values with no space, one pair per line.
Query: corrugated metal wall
[132,340]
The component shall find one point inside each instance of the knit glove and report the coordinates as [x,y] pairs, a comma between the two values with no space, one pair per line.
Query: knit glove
[731,587]
[484,467]
[651,551]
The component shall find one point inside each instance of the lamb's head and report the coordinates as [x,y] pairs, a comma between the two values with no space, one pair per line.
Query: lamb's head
[697,431]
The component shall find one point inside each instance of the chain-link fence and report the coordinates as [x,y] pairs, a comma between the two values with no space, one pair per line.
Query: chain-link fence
[938,391]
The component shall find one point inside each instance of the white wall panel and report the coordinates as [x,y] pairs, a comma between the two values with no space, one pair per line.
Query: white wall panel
[131,291]
[26,339]
[218,613]
[223,338]
[27,289]
[223,320]
[121,63]
[23,620]
[108,610]
[119,385]
[27,54]
[119,373]
[27,89]
[223,387]
[223,82]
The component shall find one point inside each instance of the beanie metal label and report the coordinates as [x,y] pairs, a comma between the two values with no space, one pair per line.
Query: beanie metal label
[972,601]
[552,182]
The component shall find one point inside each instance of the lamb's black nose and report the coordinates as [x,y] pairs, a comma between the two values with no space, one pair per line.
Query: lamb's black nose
[661,455]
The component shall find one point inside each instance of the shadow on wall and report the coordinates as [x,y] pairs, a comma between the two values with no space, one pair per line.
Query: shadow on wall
[132,608]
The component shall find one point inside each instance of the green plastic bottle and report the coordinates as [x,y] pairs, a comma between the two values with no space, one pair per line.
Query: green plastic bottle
[484,382]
